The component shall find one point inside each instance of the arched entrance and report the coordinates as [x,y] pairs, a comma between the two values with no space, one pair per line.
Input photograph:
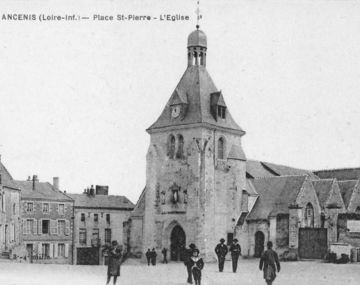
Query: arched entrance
[177,243]
[259,243]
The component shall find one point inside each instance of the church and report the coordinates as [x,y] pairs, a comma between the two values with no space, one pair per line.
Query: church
[200,186]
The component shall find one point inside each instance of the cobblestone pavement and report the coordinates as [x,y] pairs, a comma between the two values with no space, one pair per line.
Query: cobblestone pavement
[132,272]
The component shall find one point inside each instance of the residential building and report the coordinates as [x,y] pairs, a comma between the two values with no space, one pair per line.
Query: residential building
[47,221]
[10,223]
[99,219]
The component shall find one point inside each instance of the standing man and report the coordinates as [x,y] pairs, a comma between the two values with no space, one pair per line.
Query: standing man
[164,253]
[221,251]
[148,256]
[153,257]
[114,262]
[188,253]
[268,261]
[235,250]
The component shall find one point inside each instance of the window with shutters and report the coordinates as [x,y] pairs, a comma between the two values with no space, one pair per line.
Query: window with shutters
[61,227]
[29,226]
[45,250]
[107,235]
[82,217]
[45,208]
[108,218]
[61,209]
[61,250]
[82,236]
[29,207]
[45,226]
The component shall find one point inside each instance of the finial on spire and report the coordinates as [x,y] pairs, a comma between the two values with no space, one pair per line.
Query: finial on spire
[199,16]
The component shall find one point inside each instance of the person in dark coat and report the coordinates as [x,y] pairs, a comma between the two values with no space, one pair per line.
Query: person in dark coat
[221,250]
[164,253]
[115,256]
[269,259]
[153,256]
[197,264]
[148,256]
[235,250]
[187,256]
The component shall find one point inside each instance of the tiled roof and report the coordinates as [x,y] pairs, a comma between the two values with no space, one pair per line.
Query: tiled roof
[347,187]
[140,205]
[6,178]
[237,153]
[101,201]
[257,169]
[323,189]
[198,85]
[250,189]
[286,170]
[275,195]
[339,174]
[43,190]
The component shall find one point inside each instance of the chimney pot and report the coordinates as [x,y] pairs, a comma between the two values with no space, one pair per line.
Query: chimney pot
[34,180]
[56,183]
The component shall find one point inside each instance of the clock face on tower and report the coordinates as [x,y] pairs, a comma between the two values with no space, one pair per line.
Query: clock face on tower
[175,111]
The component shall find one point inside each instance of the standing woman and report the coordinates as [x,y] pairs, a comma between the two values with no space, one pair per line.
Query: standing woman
[115,257]
[267,262]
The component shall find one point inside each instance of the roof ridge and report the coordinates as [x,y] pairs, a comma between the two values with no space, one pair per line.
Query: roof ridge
[280,176]
[332,169]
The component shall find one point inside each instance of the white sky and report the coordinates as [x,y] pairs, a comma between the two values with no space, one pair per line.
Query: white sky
[76,97]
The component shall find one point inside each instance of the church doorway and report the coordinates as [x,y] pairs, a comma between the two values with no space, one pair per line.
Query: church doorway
[178,242]
[259,243]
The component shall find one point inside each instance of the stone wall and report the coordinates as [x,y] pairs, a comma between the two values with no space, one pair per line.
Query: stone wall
[117,219]
[10,225]
[209,190]
[36,238]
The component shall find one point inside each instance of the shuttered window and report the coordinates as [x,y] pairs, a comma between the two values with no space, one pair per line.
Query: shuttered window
[82,236]
[61,227]
[108,235]
[61,209]
[61,250]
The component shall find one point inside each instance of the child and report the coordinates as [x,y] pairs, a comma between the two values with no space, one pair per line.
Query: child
[197,264]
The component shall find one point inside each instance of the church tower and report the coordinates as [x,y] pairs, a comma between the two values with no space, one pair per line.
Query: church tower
[195,164]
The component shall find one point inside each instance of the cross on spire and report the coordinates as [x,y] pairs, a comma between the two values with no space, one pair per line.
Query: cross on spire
[199,16]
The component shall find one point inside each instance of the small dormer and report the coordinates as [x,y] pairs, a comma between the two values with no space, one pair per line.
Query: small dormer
[217,105]
[178,105]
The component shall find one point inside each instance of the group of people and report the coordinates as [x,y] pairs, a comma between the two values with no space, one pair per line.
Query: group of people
[194,264]
[269,261]
[221,250]
[151,256]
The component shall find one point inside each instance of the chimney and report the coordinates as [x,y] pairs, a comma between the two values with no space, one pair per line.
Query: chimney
[102,190]
[56,183]
[92,190]
[35,179]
